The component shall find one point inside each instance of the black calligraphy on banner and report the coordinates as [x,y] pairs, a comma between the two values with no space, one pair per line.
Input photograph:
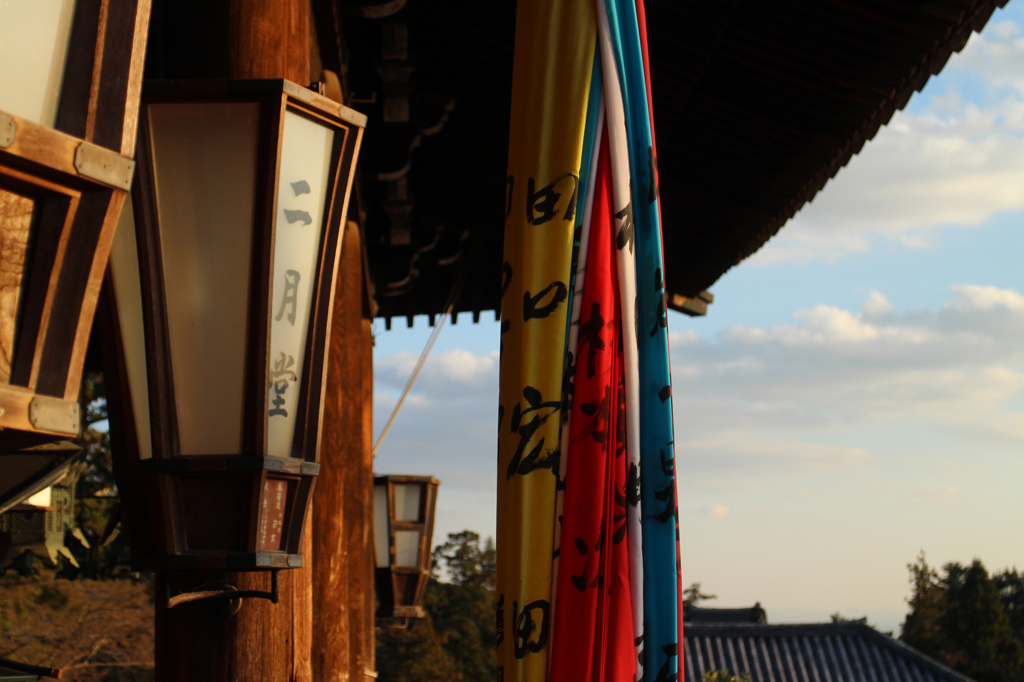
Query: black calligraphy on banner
[625,236]
[281,377]
[526,423]
[668,464]
[619,515]
[599,412]
[590,334]
[531,627]
[662,314]
[289,298]
[542,204]
[665,673]
[590,576]
[667,494]
[633,485]
[545,302]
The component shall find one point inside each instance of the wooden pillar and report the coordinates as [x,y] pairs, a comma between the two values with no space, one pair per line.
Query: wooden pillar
[263,641]
[343,644]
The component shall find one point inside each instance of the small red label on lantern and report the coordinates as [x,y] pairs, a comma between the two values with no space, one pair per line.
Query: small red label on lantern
[275,497]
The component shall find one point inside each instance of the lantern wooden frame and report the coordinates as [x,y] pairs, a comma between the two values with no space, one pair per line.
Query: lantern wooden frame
[400,588]
[67,193]
[61,191]
[242,511]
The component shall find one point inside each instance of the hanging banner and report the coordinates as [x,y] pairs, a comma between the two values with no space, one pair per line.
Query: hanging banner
[588,170]
[593,636]
[657,457]
[554,52]
[625,242]
[663,365]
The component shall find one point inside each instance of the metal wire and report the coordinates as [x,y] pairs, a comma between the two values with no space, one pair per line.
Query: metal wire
[456,290]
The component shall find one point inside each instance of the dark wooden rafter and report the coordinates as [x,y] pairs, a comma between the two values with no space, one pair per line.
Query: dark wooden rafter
[870,56]
[764,102]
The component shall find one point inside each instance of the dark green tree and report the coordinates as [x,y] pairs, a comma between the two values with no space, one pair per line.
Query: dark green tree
[960,620]
[463,608]
[413,654]
[693,596]
[978,629]
[921,627]
[456,639]
[1010,584]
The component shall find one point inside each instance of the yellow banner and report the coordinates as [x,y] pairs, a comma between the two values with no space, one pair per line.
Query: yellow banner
[554,52]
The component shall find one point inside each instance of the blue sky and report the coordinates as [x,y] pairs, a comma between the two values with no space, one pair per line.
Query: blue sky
[856,392]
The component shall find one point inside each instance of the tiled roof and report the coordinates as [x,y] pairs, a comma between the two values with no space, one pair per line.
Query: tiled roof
[751,614]
[829,652]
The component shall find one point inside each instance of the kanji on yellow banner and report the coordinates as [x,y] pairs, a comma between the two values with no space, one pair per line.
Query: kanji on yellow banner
[554,52]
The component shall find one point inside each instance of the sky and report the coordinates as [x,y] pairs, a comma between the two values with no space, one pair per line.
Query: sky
[855,394]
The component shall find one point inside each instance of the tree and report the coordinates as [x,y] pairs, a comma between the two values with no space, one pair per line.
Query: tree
[463,609]
[1010,585]
[693,596]
[413,654]
[456,639]
[921,628]
[97,505]
[979,630]
[960,620]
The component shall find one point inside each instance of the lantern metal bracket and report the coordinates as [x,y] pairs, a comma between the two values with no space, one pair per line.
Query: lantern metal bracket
[7,130]
[103,165]
[229,594]
[53,414]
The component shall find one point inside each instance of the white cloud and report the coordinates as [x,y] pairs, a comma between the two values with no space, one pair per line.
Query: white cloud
[681,338]
[997,55]
[465,367]
[778,400]
[747,451]
[877,304]
[446,426]
[935,494]
[456,371]
[718,511]
[987,298]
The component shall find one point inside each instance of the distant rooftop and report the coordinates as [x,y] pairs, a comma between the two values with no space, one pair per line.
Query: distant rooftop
[749,614]
[849,651]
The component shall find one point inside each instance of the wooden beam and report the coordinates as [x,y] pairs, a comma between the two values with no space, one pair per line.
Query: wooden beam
[343,645]
[270,39]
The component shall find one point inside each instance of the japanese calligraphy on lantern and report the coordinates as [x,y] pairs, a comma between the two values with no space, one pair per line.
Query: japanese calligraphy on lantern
[305,170]
[275,497]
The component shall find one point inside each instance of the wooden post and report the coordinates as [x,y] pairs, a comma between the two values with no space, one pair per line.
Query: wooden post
[343,644]
[264,641]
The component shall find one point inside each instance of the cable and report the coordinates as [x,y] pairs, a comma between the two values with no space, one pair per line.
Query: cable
[456,290]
